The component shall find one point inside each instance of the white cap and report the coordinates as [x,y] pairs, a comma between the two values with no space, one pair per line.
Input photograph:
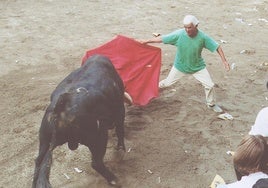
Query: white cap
[260,126]
[188,19]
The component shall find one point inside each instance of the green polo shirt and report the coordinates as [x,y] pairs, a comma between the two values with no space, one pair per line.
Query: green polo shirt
[188,57]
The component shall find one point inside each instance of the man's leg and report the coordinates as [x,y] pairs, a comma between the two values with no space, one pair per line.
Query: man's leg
[203,76]
[173,76]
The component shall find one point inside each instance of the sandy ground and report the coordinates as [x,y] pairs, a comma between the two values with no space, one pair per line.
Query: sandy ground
[176,137]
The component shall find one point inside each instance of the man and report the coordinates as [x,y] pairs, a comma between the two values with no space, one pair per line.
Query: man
[190,42]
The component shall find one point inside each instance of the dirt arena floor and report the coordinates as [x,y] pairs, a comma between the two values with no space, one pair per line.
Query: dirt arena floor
[176,138]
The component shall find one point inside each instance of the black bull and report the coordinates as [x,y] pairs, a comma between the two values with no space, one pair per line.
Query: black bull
[87,103]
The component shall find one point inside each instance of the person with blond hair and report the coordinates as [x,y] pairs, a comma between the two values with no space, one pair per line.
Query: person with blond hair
[250,162]
[190,42]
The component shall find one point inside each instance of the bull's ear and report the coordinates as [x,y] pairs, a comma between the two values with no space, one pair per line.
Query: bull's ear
[61,103]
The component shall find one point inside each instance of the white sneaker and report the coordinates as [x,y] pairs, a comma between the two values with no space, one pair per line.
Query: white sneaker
[215,108]
[161,85]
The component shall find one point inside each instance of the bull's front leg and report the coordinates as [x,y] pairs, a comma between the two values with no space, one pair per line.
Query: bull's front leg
[98,150]
[120,136]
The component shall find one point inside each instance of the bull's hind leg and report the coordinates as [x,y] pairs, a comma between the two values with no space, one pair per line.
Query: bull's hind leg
[98,150]
[43,161]
[43,148]
[120,129]
[43,178]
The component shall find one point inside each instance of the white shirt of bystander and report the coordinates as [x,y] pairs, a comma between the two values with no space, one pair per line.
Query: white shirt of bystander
[260,126]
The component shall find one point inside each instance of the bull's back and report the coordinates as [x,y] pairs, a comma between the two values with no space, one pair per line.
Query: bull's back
[98,74]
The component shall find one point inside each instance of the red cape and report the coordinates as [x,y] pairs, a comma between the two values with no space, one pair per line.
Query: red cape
[137,64]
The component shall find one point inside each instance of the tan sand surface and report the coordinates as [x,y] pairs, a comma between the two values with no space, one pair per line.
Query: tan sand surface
[176,137]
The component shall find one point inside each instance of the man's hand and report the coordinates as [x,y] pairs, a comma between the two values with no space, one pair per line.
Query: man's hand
[226,65]
[142,41]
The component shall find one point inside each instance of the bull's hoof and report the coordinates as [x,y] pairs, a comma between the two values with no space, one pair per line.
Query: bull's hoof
[115,183]
[120,147]
[118,155]
[42,183]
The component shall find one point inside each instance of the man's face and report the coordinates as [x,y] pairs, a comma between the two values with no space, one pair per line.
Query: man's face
[191,30]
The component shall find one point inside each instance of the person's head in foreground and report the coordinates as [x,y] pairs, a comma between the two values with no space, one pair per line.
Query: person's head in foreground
[251,156]
[190,23]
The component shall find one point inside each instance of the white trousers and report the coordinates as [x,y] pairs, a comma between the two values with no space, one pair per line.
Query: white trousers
[202,76]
